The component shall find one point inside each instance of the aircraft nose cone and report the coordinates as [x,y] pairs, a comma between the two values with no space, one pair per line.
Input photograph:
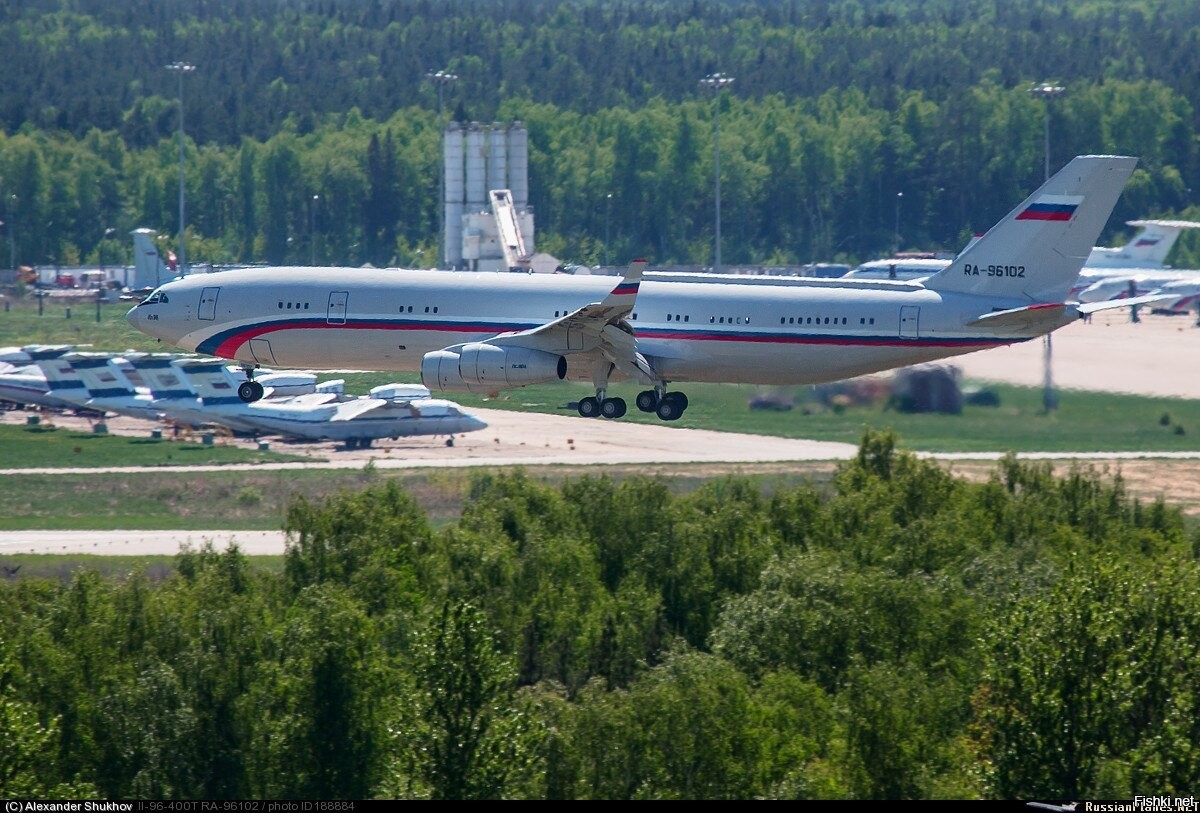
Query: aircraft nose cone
[474,424]
[134,318]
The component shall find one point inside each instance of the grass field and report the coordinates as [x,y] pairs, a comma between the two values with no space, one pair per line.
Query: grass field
[46,446]
[1084,422]
[63,566]
[22,325]
[258,500]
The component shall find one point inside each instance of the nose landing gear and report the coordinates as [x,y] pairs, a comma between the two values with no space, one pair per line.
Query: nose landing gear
[249,390]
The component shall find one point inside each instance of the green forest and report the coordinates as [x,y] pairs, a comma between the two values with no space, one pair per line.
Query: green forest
[853,127]
[895,633]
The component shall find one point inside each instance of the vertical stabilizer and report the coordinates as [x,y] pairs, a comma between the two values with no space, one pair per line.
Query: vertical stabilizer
[149,271]
[1037,250]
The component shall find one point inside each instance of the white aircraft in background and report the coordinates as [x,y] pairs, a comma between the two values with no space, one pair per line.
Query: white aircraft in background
[25,384]
[391,410]
[1144,253]
[484,332]
[1148,248]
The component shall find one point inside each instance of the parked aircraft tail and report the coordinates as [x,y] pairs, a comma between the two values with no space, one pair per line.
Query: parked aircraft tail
[149,271]
[1037,250]
[1148,248]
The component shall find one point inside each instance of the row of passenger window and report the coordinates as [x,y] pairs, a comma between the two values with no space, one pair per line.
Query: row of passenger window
[827,320]
[428,309]
[293,306]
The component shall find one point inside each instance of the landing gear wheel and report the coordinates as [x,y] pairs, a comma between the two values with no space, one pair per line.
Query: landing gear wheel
[250,391]
[449,441]
[647,400]
[351,443]
[680,399]
[589,407]
[612,408]
[668,410]
[365,443]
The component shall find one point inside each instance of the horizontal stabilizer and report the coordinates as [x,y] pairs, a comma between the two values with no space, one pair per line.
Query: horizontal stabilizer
[1109,304]
[1037,318]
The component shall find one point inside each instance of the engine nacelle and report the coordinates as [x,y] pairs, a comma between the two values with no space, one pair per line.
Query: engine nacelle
[481,367]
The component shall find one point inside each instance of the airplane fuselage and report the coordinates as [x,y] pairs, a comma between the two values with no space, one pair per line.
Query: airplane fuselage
[388,320]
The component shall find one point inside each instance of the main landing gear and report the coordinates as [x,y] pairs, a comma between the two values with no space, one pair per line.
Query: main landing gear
[249,390]
[669,406]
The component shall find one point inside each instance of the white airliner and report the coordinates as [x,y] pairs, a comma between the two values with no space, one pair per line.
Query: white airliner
[389,411]
[484,332]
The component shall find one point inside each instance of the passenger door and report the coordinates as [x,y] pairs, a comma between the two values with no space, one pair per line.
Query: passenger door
[208,304]
[337,307]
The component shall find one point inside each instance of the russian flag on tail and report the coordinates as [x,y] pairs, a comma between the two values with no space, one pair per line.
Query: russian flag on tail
[1052,207]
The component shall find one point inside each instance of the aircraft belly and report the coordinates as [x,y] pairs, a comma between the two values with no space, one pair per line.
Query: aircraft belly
[789,363]
[383,350]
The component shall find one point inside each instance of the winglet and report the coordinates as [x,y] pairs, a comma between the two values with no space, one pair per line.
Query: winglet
[625,294]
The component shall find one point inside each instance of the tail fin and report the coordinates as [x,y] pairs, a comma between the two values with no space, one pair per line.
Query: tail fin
[1037,250]
[1148,248]
[101,377]
[61,378]
[209,378]
[162,379]
[149,271]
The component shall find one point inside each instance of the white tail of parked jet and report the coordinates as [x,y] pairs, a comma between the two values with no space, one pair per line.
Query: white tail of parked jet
[149,270]
[1148,248]
[1036,252]
[100,375]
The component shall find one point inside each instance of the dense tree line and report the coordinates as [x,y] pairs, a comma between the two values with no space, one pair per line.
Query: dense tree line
[901,633]
[803,179]
[854,126]
[77,64]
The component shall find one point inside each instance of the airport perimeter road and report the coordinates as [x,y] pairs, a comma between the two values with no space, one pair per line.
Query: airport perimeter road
[137,543]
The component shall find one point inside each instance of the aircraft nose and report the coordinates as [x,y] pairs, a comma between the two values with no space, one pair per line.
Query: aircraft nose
[473,424]
[134,318]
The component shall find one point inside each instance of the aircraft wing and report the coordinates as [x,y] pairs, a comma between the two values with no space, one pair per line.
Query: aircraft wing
[356,409]
[588,321]
[1041,316]
[599,326]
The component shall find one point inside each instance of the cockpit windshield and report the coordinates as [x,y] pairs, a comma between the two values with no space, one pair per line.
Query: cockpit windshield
[156,296]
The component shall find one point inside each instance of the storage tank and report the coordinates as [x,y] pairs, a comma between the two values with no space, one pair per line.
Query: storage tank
[452,154]
[476,167]
[518,164]
[497,168]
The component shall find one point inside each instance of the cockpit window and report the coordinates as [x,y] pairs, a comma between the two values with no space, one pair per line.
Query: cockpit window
[156,296]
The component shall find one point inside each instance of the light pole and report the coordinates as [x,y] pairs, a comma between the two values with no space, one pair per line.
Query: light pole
[12,233]
[607,220]
[312,230]
[896,230]
[1047,92]
[442,79]
[716,83]
[181,68]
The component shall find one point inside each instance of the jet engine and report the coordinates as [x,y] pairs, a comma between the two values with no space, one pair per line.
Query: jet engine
[481,367]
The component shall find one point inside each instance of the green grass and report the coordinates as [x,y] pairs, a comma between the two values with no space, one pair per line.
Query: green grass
[45,446]
[258,500]
[22,325]
[63,566]
[1084,421]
